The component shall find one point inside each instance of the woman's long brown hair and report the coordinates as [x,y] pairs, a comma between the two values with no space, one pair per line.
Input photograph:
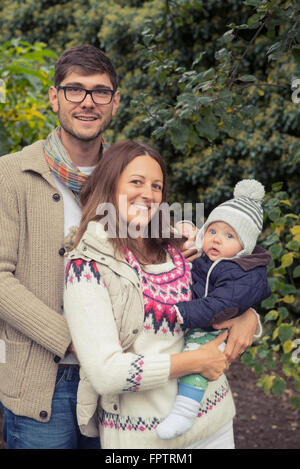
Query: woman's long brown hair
[101,187]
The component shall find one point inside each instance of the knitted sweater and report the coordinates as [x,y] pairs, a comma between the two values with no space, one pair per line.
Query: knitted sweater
[141,375]
[34,332]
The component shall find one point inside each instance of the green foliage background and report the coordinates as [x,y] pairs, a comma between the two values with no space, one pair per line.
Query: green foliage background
[209,83]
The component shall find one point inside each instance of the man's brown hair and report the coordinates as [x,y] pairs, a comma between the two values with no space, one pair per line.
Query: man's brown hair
[89,59]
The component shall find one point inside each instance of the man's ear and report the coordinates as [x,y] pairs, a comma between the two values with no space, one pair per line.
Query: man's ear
[53,98]
[116,101]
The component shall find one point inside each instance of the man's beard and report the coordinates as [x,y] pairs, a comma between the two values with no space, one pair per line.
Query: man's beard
[84,138]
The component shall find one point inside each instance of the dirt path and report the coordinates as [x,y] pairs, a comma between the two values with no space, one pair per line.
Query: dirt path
[261,422]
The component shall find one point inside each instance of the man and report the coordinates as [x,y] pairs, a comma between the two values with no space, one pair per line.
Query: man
[38,206]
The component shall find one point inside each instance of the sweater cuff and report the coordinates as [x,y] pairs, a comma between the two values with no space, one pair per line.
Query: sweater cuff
[180,319]
[155,371]
[259,330]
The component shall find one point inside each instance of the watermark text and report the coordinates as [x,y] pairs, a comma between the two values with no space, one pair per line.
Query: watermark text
[2,351]
[2,91]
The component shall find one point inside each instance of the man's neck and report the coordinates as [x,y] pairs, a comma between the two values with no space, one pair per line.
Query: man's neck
[81,153]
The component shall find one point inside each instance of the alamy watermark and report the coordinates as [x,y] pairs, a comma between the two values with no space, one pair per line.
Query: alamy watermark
[296,353]
[2,91]
[2,351]
[139,219]
[296,87]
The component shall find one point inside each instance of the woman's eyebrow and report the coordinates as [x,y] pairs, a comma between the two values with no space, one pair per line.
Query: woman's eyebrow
[143,177]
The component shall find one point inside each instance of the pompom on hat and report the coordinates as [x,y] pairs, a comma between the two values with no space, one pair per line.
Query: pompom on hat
[243,213]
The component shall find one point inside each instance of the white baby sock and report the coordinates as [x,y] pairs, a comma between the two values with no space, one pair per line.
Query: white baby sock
[181,418]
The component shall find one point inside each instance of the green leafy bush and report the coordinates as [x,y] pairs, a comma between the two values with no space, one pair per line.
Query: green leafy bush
[275,358]
[24,115]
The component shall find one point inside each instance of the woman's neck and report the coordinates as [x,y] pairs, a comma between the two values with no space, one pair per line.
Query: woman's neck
[140,249]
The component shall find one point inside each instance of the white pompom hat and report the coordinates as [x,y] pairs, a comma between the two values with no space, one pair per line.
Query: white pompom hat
[243,213]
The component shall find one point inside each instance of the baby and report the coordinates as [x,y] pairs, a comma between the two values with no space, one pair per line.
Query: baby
[228,278]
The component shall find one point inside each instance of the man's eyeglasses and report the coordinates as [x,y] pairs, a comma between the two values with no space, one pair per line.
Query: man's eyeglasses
[74,94]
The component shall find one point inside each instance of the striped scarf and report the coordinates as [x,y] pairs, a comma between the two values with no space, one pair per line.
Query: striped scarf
[61,165]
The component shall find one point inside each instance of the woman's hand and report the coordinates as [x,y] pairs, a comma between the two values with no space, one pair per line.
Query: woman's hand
[215,362]
[241,332]
[208,360]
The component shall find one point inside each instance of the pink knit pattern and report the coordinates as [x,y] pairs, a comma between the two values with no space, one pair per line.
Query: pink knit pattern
[119,422]
[162,291]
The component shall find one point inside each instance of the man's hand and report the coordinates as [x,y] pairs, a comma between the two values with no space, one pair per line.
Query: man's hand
[241,332]
[207,360]
[189,231]
[71,349]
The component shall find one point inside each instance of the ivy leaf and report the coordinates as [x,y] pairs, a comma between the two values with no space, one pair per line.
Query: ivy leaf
[269,302]
[293,245]
[247,78]
[275,250]
[295,230]
[288,346]
[274,214]
[279,386]
[204,100]
[272,315]
[286,289]
[253,3]
[273,283]
[285,332]
[296,272]
[228,36]
[253,21]
[288,299]
[271,239]
[207,128]
[283,312]
[266,381]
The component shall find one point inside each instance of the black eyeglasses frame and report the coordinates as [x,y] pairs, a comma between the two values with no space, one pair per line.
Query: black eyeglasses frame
[90,92]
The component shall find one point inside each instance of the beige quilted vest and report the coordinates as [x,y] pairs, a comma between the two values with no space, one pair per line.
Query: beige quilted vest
[128,308]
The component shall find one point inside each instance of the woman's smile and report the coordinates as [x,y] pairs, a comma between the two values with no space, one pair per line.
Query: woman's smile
[139,190]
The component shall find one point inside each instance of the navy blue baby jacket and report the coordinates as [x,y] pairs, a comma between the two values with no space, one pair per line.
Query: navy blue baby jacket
[233,286]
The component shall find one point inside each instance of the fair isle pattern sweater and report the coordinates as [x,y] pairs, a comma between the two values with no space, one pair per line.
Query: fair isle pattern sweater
[161,291]
[140,376]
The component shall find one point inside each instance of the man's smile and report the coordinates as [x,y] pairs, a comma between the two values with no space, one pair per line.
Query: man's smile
[84,117]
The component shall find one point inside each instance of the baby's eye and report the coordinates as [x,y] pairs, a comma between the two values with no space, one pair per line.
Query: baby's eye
[212,231]
[229,235]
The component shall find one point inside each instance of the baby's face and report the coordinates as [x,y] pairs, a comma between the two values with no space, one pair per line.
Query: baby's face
[220,240]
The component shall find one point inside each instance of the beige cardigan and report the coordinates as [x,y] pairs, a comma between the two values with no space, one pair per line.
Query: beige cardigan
[35,334]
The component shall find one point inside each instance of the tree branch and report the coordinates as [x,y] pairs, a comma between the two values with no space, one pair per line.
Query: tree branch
[234,71]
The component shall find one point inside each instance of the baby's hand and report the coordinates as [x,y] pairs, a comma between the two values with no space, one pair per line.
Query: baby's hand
[186,229]
[189,231]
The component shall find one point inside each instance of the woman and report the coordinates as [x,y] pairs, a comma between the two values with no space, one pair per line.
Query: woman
[119,299]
